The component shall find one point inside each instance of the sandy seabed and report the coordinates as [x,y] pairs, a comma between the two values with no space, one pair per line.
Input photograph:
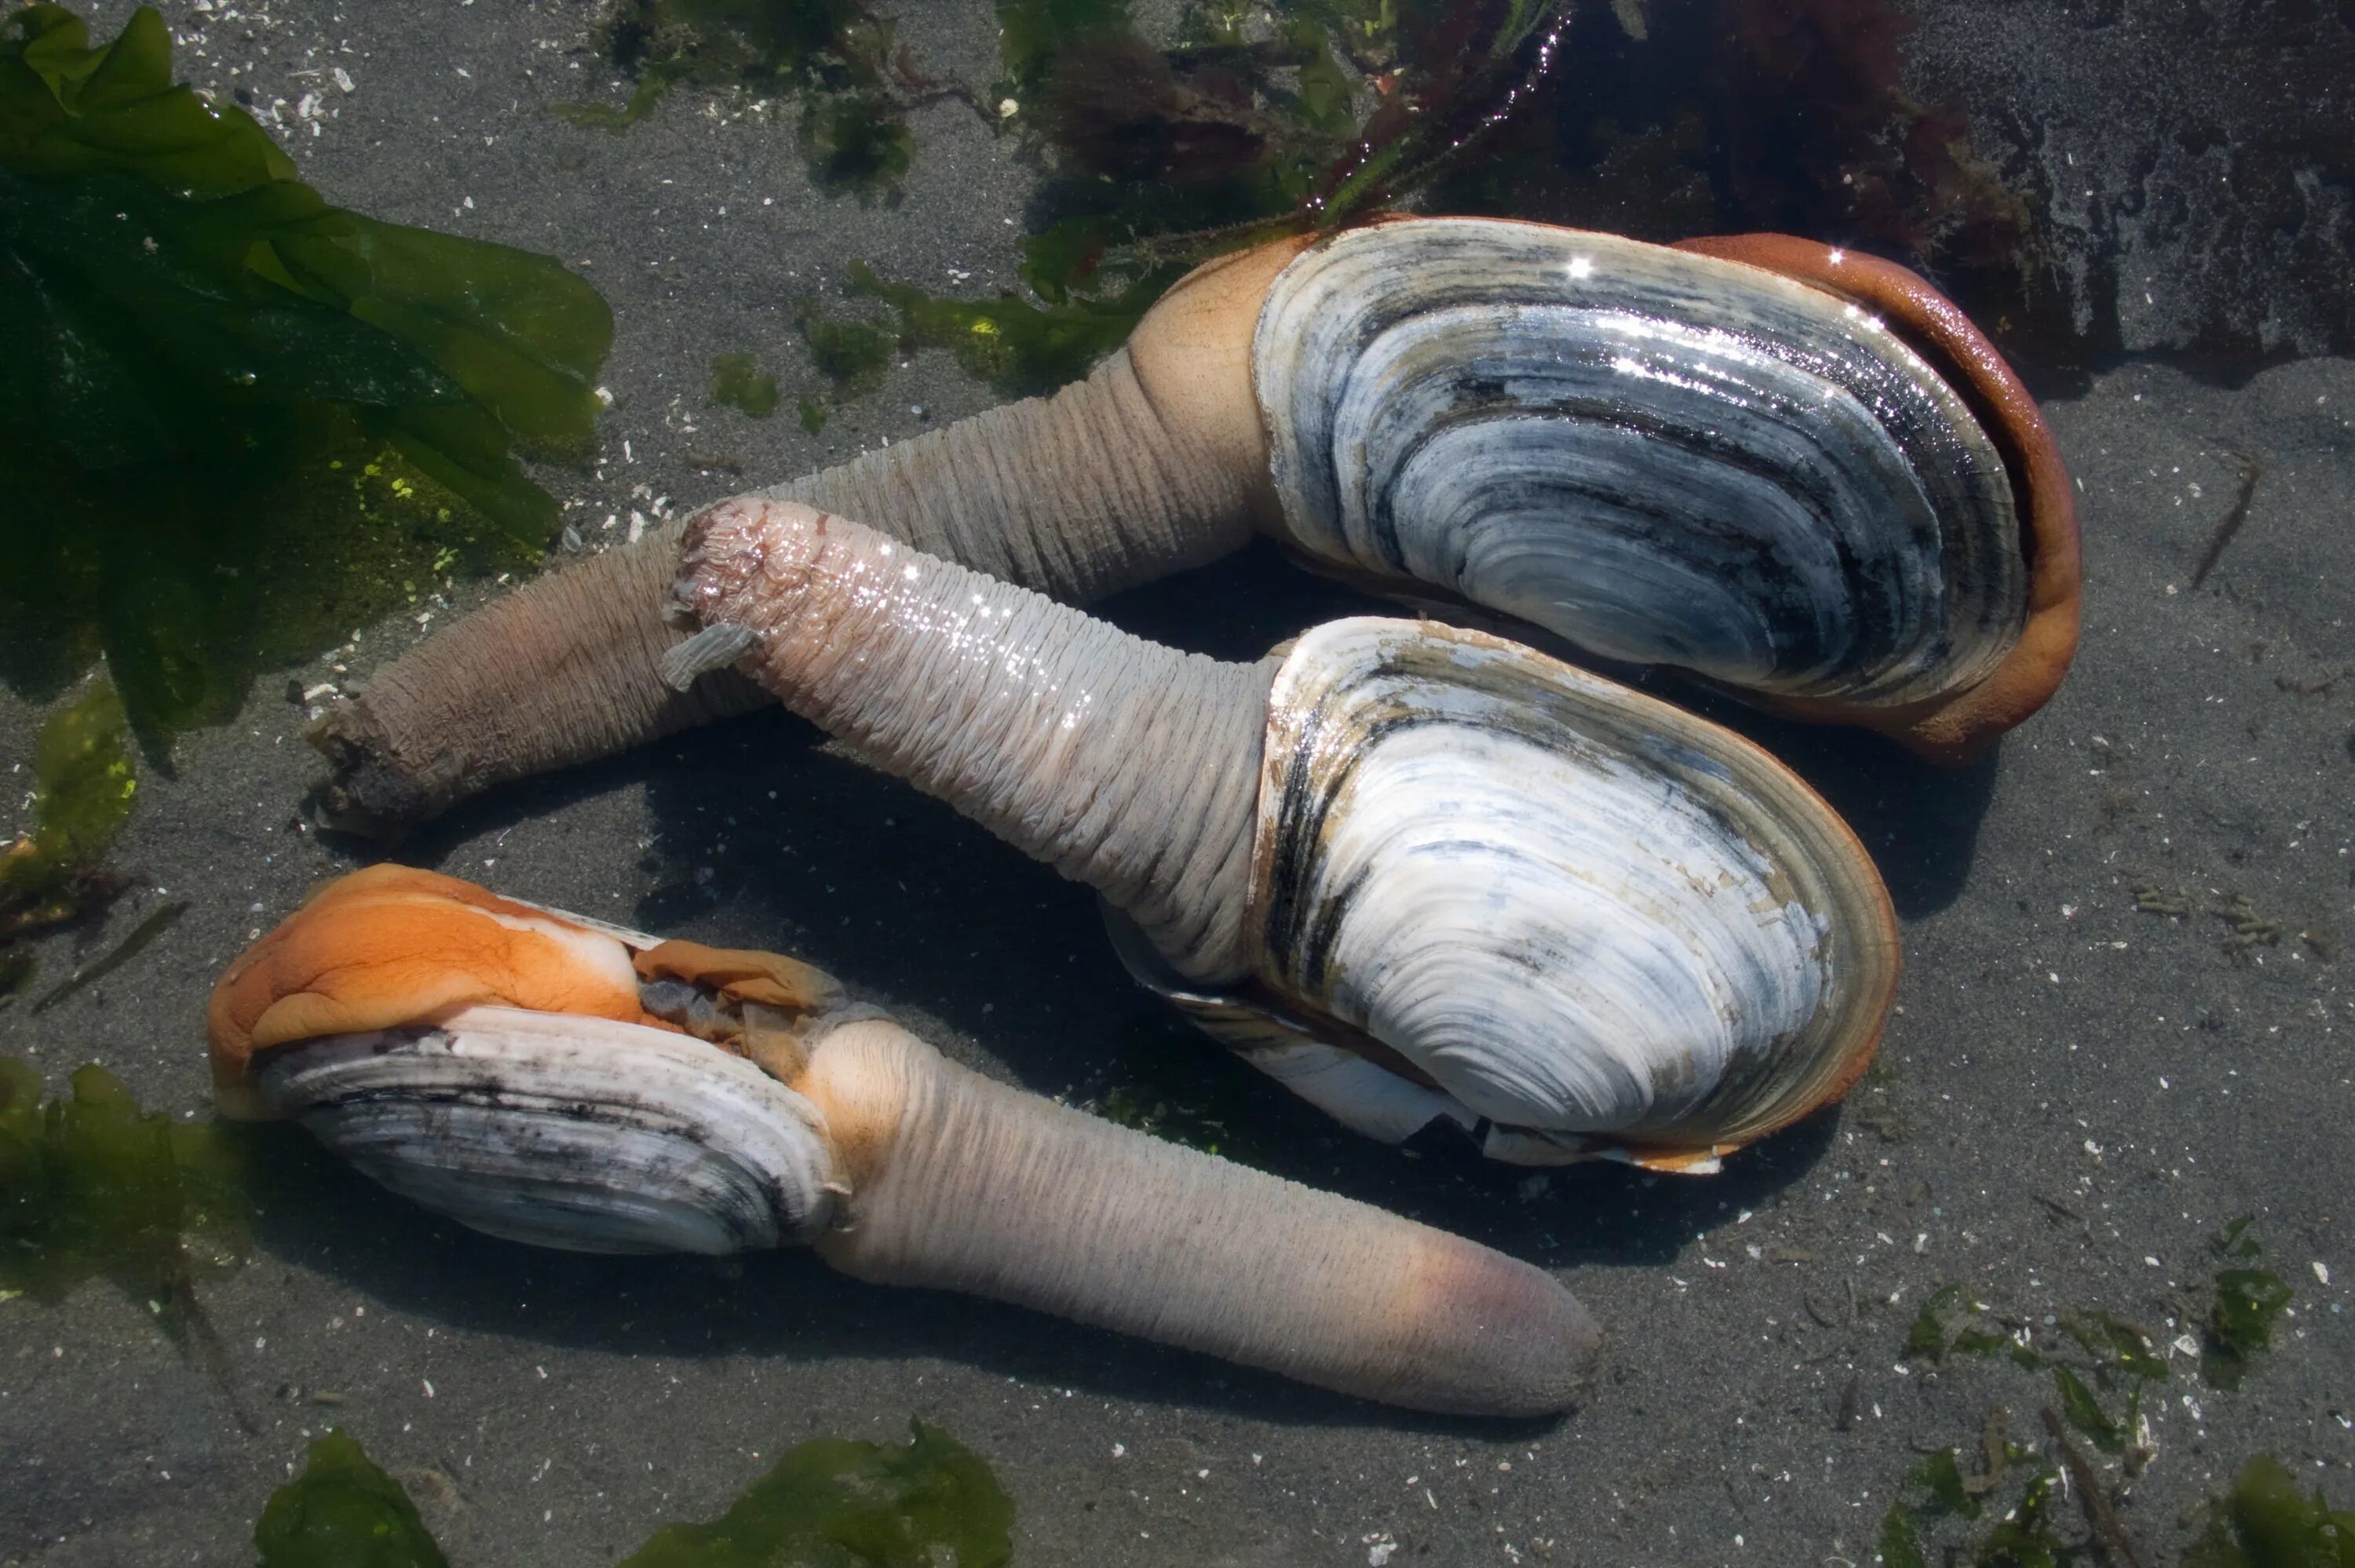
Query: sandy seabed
[2076,1091]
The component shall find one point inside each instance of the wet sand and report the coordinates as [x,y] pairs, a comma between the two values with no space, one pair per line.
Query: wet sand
[2075,1092]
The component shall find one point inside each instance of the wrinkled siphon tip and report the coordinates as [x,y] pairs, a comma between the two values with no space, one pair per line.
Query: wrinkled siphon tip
[366,793]
[733,549]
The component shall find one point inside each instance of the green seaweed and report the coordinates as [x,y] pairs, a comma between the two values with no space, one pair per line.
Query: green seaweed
[2085,1413]
[1016,348]
[83,791]
[2234,1243]
[2248,1302]
[1940,1476]
[1163,158]
[738,380]
[1033,36]
[828,1503]
[1142,1107]
[1950,1323]
[91,1186]
[246,419]
[851,354]
[2265,1522]
[834,55]
[2025,1537]
[836,1503]
[1900,1544]
[813,415]
[2118,1349]
[2241,1322]
[856,141]
[343,1511]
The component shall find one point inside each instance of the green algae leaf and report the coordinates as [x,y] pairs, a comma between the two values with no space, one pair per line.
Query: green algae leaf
[738,380]
[243,420]
[92,1185]
[1941,1476]
[853,132]
[1033,35]
[68,109]
[343,1511]
[2265,1522]
[852,354]
[1900,1545]
[2025,1538]
[2115,1347]
[2241,1323]
[856,141]
[1950,1323]
[2084,1413]
[836,1503]
[1324,88]
[1016,348]
[2249,1301]
[83,789]
[2233,1243]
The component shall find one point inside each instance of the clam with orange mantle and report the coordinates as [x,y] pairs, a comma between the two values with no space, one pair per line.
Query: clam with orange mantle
[550,1079]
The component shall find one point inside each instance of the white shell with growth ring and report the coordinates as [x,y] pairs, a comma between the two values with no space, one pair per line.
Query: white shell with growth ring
[1574,911]
[1662,457]
[566,1131]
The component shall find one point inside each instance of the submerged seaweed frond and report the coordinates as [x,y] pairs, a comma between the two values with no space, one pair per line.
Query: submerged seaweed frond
[243,419]
[83,789]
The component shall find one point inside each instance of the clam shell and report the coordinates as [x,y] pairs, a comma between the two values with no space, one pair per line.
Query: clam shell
[1341,1080]
[566,1131]
[1661,457]
[1580,914]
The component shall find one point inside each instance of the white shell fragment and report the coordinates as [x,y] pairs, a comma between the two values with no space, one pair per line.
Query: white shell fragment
[1572,911]
[1662,457]
[566,1131]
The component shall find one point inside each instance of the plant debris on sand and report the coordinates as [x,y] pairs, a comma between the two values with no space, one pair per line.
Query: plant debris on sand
[242,420]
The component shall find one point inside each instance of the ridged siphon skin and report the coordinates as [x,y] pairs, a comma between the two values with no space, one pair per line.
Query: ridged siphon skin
[1155,1239]
[1125,764]
[1659,456]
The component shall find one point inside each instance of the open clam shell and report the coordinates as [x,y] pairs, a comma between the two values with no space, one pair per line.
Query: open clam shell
[402,1017]
[566,1131]
[1661,455]
[1547,907]
[498,1061]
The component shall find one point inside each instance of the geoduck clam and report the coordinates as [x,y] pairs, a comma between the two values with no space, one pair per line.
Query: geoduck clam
[1415,871]
[554,1080]
[1797,472]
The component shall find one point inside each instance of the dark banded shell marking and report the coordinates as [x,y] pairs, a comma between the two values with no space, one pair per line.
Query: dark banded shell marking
[1576,910]
[566,1131]
[1662,457]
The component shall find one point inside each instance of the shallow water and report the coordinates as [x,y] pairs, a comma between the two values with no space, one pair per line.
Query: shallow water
[2079,1088]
